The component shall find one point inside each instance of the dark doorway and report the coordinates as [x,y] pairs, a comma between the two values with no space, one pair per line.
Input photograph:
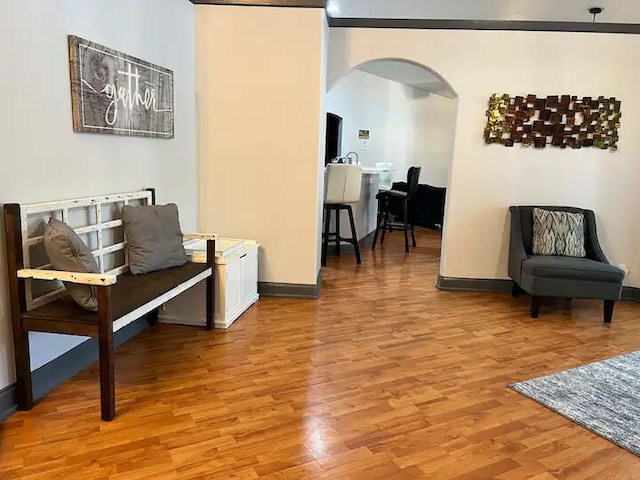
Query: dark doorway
[334,138]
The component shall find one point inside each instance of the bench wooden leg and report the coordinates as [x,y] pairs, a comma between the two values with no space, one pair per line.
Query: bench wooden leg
[107,366]
[24,389]
[211,284]
[13,236]
[153,317]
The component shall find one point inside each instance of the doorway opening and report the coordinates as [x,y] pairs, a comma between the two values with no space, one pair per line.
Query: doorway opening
[397,114]
[333,146]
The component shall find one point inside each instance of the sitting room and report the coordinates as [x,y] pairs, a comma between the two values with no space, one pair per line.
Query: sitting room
[159,318]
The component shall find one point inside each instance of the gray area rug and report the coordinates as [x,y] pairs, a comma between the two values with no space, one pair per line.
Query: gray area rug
[603,397]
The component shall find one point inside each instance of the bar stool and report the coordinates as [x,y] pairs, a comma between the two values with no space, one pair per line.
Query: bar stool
[397,203]
[342,188]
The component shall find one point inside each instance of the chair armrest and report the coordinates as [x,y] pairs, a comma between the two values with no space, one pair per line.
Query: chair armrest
[200,236]
[397,193]
[391,193]
[593,249]
[517,252]
[99,279]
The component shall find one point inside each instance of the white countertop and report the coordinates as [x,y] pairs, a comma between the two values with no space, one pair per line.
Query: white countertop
[374,170]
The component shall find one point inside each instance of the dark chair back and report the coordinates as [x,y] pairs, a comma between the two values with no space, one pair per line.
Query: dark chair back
[522,221]
[526,221]
[413,177]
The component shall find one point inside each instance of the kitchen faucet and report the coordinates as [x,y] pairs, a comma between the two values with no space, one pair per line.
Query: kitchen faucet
[356,154]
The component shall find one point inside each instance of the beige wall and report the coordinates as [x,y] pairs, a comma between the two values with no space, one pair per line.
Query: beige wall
[42,159]
[485,180]
[260,94]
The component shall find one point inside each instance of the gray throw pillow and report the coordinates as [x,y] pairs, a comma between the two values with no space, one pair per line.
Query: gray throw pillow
[68,252]
[558,233]
[154,239]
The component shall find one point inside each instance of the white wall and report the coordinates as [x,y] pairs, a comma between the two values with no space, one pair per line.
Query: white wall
[434,125]
[42,159]
[408,126]
[486,179]
[368,102]
[260,88]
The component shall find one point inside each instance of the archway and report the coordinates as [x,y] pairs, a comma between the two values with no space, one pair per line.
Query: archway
[397,112]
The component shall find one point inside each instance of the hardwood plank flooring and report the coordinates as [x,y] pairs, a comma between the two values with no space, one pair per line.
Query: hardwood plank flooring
[385,377]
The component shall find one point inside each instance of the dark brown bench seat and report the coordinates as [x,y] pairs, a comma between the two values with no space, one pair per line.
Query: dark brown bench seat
[130,293]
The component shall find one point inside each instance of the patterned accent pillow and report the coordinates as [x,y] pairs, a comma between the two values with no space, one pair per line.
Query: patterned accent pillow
[558,233]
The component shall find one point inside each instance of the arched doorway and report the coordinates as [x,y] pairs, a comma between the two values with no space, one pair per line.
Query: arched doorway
[398,113]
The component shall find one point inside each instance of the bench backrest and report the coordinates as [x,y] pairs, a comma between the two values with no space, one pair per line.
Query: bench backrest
[97,220]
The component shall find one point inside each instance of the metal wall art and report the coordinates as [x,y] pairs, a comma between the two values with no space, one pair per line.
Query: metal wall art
[562,121]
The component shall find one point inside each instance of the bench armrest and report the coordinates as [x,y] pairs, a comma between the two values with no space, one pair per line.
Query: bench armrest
[100,279]
[200,236]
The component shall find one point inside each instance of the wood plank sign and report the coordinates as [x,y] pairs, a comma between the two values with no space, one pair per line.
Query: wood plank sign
[115,93]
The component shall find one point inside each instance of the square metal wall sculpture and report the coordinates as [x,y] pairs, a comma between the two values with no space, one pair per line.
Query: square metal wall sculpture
[559,120]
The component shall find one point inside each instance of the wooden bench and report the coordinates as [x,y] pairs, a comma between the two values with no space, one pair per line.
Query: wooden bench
[40,303]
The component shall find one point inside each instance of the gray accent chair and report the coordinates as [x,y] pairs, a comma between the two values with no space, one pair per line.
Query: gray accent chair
[557,276]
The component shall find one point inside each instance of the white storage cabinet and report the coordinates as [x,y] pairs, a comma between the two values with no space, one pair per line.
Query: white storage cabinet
[236,283]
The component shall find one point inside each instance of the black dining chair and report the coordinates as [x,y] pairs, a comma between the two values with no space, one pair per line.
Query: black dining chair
[398,204]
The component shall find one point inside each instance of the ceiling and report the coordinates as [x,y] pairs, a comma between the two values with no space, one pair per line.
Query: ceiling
[408,74]
[615,11]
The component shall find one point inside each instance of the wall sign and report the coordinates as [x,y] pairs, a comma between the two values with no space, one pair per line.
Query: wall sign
[363,137]
[115,93]
[559,120]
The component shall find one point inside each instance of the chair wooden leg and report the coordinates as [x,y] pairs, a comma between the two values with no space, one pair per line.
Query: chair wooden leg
[405,218]
[378,222]
[354,235]
[325,236]
[608,310]
[413,235]
[107,367]
[535,306]
[515,290]
[337,247]
[386,224]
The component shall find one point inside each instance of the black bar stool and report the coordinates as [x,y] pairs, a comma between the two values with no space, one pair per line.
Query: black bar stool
[396,203]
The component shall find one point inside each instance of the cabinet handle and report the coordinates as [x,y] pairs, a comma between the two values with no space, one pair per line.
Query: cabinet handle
[243,255]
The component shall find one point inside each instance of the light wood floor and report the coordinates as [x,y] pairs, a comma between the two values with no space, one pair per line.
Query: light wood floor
[384,378]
